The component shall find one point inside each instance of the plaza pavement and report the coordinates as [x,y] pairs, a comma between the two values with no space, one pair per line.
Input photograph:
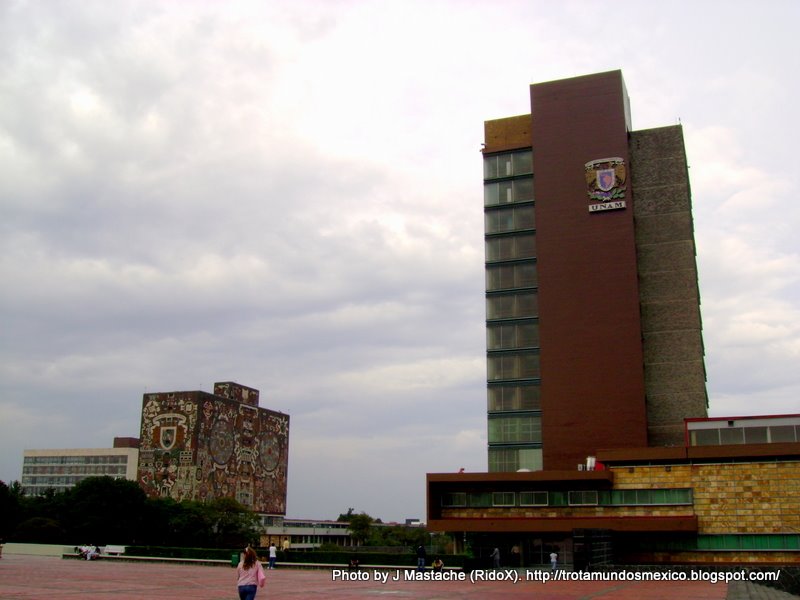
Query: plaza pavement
[36,577]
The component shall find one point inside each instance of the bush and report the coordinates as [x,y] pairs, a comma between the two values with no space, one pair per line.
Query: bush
[364,556]
[175,552]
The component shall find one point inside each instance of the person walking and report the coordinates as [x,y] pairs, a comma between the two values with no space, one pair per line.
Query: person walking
[553,560]
[495,556]
[250,575]
[273,555]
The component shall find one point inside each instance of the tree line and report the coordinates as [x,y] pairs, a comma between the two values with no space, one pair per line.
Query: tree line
[104,510]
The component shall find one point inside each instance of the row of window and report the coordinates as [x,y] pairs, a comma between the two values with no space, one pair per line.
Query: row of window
[511,247]
[507,277]
[506,192]
[74,470]
[568,498]
[504,336]
[726,541]
[770,434]
[519,365]
[509,306]
[60,480]
[76,460]
[525,429]
[504,460]
[509,219]
[508,164]
[513,397]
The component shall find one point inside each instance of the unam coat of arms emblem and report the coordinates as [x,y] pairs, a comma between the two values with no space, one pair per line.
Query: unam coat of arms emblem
[605,179]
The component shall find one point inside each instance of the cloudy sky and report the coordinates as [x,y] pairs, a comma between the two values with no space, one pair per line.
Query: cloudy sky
[288,194]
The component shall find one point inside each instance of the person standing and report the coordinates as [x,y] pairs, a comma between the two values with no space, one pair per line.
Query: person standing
[495,555]
[273,555]
[250,575]
[421,556]
[553,560]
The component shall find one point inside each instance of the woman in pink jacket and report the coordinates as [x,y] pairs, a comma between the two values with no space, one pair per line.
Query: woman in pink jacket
[251,575]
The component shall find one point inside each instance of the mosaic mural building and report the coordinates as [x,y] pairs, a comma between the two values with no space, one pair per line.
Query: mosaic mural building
[200,446]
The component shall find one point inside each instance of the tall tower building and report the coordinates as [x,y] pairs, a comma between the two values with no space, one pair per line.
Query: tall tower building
[592,304]
[600,449]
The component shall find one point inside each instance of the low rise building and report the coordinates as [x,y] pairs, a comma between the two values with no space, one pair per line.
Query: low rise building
[700,503]
[61,469]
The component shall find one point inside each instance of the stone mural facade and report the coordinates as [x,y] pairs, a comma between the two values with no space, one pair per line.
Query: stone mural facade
[201,446]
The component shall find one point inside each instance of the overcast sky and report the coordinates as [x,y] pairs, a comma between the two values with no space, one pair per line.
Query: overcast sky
[288,194]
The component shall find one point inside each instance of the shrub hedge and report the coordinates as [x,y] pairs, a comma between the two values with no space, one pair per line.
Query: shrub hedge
[339,557]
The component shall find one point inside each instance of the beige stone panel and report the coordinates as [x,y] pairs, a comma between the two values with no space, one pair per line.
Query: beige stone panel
[658,229]
[668,285]
[672,346]
[661,199]
[666,256]
[676,377]
[680,313]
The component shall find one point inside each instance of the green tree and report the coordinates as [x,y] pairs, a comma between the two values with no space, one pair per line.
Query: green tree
[232,523]
[39,530]
[346,517]
[101,510]
[10,509]
[360,528]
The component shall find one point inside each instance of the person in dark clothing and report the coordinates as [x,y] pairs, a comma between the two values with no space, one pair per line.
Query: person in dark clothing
[421,557]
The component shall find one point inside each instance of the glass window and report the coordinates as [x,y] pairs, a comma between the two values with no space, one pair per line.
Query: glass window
[583,498]
[781,433]
[528,365]
[503,499]
[513,366]
[522,189]
[454,499]
[523,304]
[731,435]
[533,498]
[525,275]
[499,248]
[498,221]
[524,217]
[500,277]
[509,336]
[530,459]
[503,460]
[705,437]
[501,307]
[527,335]
[523,162]
[755,435]
[477,499]
[509,219]
[511,247]
[508,164]
[514,397]
[519,429]
[507,192]
[501,192]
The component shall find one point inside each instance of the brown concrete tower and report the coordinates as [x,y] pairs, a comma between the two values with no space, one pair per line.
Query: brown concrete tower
[593,325]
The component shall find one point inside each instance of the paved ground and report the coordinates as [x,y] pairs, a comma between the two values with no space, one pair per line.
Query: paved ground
[30,577]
